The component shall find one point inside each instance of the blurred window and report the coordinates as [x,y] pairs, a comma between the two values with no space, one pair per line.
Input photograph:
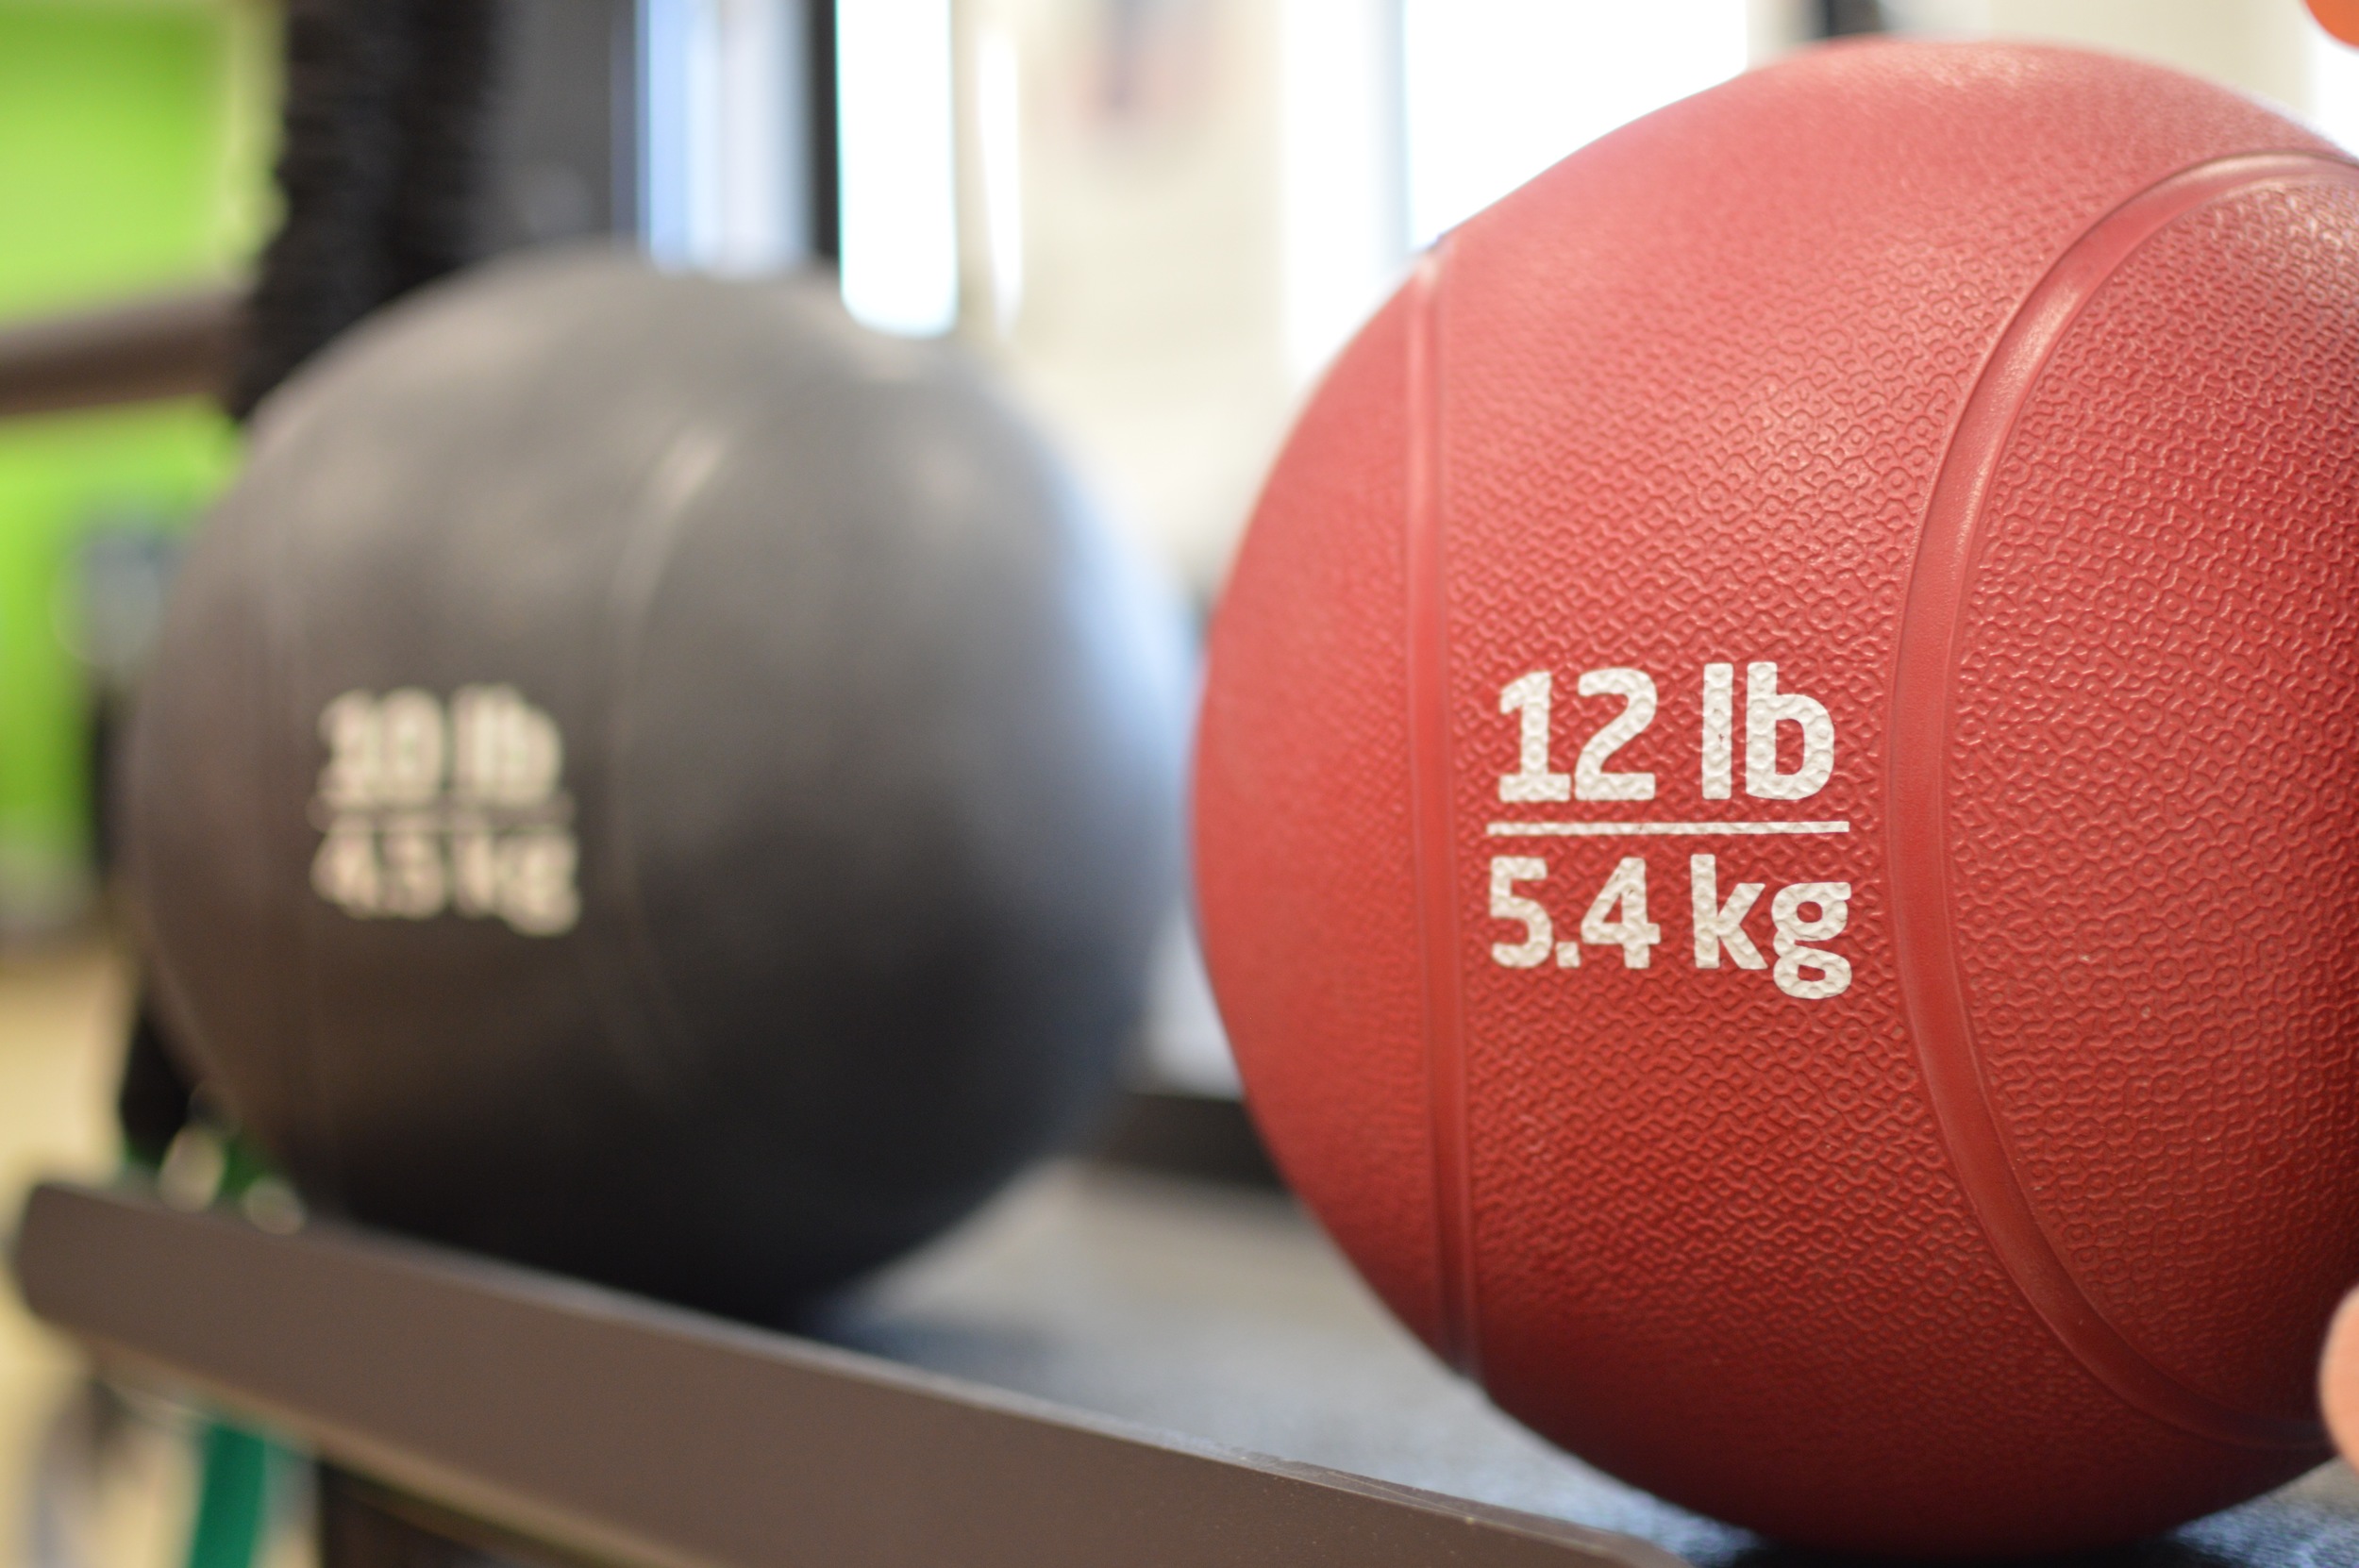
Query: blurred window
[898,163]
[725,153]
[723,183]
[1496,90]
[2333,87]
[1345,231]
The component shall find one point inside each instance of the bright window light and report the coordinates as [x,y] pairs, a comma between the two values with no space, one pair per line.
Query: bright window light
[2333,88]
[672,52]
[1346,243]
[756,203]
[897,164]
[722,155]
[1499,90]
[999,138]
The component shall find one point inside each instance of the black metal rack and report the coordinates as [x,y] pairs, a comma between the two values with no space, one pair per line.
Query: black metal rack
[1099,1371]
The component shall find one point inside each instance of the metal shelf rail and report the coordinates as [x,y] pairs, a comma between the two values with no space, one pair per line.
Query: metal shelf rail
[538,1417]
[135,351]
[629,1433]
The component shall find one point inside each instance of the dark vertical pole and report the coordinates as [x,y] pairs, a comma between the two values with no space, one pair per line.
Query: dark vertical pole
[565,124]
[627,138]
[357,1530]
[1846,18]
[826,183]
[382,165]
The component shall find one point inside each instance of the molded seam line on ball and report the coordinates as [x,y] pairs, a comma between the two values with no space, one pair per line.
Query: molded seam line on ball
[288,772]
[1916,830]
[659,515]
[1427,608]
[1662,830]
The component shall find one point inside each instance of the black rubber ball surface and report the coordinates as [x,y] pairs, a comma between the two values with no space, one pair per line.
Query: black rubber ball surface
[648,778]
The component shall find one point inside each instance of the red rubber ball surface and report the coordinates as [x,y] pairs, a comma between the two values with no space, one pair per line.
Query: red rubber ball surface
[1776,802]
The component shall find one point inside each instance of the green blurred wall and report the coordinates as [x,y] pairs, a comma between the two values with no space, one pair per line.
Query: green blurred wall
[134,144]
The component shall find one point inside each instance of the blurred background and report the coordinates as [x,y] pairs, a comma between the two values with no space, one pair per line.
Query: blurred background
[1160,218]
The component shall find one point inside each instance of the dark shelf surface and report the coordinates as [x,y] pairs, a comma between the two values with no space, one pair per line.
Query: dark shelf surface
[1102,1357]
[1225,1314]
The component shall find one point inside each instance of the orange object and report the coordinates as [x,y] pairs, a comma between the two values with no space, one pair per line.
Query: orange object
[2338,1377]
[2338,17]
[1779,788]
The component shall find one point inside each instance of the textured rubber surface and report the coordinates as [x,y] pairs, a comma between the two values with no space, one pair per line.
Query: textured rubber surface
[2006,401]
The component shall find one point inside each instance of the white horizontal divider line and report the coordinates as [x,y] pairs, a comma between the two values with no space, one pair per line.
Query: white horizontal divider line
[1638,829]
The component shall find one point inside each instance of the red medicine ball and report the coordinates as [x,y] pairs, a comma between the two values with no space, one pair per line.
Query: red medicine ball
[1778,798]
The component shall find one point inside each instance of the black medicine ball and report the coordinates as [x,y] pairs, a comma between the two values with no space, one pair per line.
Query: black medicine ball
[645,777]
